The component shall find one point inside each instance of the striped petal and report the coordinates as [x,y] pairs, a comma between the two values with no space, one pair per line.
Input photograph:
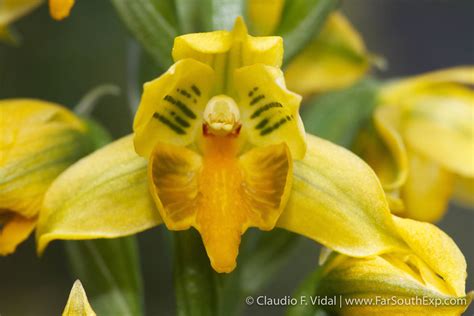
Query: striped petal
[171,107]
[269,110]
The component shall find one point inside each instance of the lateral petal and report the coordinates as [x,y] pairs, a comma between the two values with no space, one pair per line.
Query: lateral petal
[337,200]
[171,107]
[269,110]
[104,195]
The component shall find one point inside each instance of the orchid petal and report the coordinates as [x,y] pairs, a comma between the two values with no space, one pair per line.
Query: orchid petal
[220,195]
[104,195]
[338,201]
[269,110]
[171,106]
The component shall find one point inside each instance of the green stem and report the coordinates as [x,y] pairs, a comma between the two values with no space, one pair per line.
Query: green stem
[193,276]
[109,269]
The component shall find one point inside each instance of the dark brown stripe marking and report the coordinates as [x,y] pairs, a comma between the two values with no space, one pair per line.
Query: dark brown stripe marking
[252,91]
[262,123]
[256,99]
[264,108]
[179,120]
[183,107]
[274,127]
[185,93]
[167,122]
[196,90]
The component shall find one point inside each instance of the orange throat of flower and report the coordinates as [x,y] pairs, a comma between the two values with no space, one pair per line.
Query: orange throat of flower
[220,193]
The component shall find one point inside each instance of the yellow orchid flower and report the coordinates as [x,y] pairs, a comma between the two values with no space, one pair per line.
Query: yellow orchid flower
[399,283]
[226,98]
[12,10]
[427,141]
[38,140]
[218,145]
[77,303]
[335,58]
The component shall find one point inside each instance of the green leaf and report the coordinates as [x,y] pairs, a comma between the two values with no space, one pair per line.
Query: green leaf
[110,270]
[188,15]
[193,276]
[338,116]
[167,9]
[97,134]
[151,23]
[221,14]
[301,20]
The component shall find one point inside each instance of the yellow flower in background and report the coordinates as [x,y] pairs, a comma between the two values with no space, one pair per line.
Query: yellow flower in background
[218,146]
[38,140]
[424,146]
[398,283]
[12,10]
[77,303]
[335,58]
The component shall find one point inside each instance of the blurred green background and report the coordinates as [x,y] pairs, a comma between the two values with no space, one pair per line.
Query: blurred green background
[61,61]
